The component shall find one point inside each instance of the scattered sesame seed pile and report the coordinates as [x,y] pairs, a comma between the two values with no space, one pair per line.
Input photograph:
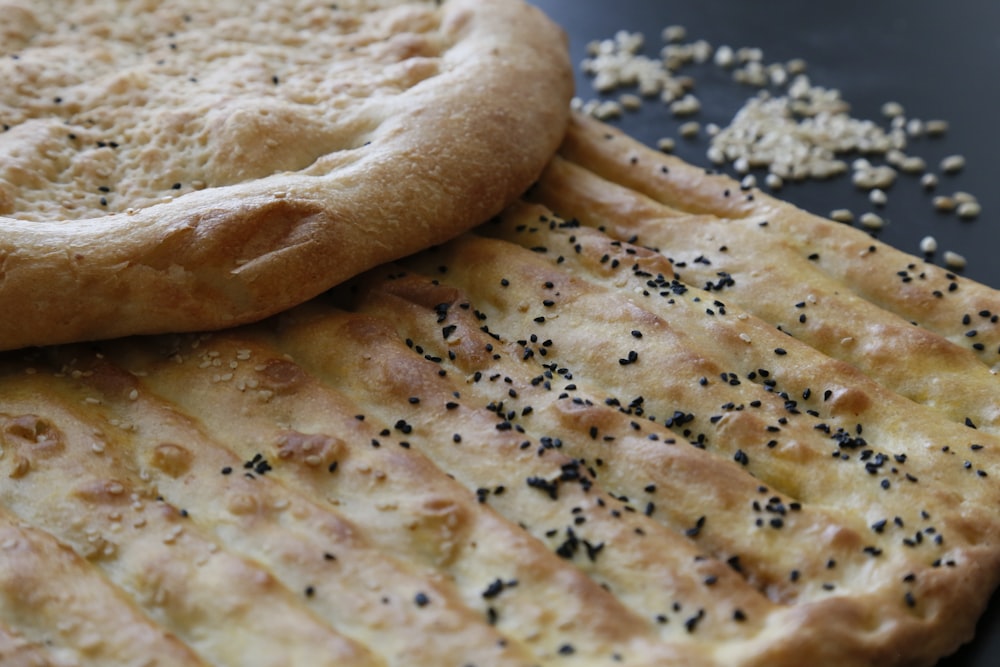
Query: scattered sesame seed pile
[792,129]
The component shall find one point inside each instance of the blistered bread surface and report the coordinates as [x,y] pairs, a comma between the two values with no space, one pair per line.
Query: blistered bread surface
[192,165]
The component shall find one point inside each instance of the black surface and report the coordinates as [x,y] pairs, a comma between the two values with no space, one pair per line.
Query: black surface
[939,60]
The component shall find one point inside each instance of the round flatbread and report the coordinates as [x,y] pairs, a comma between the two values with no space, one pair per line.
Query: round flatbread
[194,165]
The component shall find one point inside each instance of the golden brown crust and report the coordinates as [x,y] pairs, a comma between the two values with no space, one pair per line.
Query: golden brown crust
[834,287]
[532,445]
[51,595]
[407,168]
[17,651]
[913,459]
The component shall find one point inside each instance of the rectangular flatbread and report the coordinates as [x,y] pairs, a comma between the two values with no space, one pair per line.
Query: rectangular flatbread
[558,439]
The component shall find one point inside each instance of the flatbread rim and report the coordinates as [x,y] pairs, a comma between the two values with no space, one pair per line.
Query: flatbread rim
[220,257]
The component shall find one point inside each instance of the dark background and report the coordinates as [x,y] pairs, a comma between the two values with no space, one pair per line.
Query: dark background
[939,60]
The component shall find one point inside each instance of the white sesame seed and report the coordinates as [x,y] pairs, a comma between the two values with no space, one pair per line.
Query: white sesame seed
[724,56]
[674,33]
[915,127]
[842,215]
[826,168]
[878,197]
[607,109]
[913,164]
[875,177]
[954,260]
[952,164]
[774,181]
[753,73]
[666,144]
[630,101]
[871,221]
[928,245]
[963,197]
[777,74]
[944,203]
[968,210]
[935,128]
[685,106]
[796,66]
[929,181]
[892,109]
[690,129]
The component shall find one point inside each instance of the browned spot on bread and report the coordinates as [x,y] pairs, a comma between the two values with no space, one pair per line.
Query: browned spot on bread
[281,376]
[171,458]
[102,492]
[313,450]
[33,435]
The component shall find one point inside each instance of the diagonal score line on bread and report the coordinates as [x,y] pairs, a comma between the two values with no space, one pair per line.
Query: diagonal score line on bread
[865,451]
[197,165]
[830,285]
[171,554]
[532,445]
[86,605]
[174,571]
[417,511]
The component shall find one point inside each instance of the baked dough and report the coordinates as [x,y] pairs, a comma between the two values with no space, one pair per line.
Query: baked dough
[825,283]
[531,445]
[194,165]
